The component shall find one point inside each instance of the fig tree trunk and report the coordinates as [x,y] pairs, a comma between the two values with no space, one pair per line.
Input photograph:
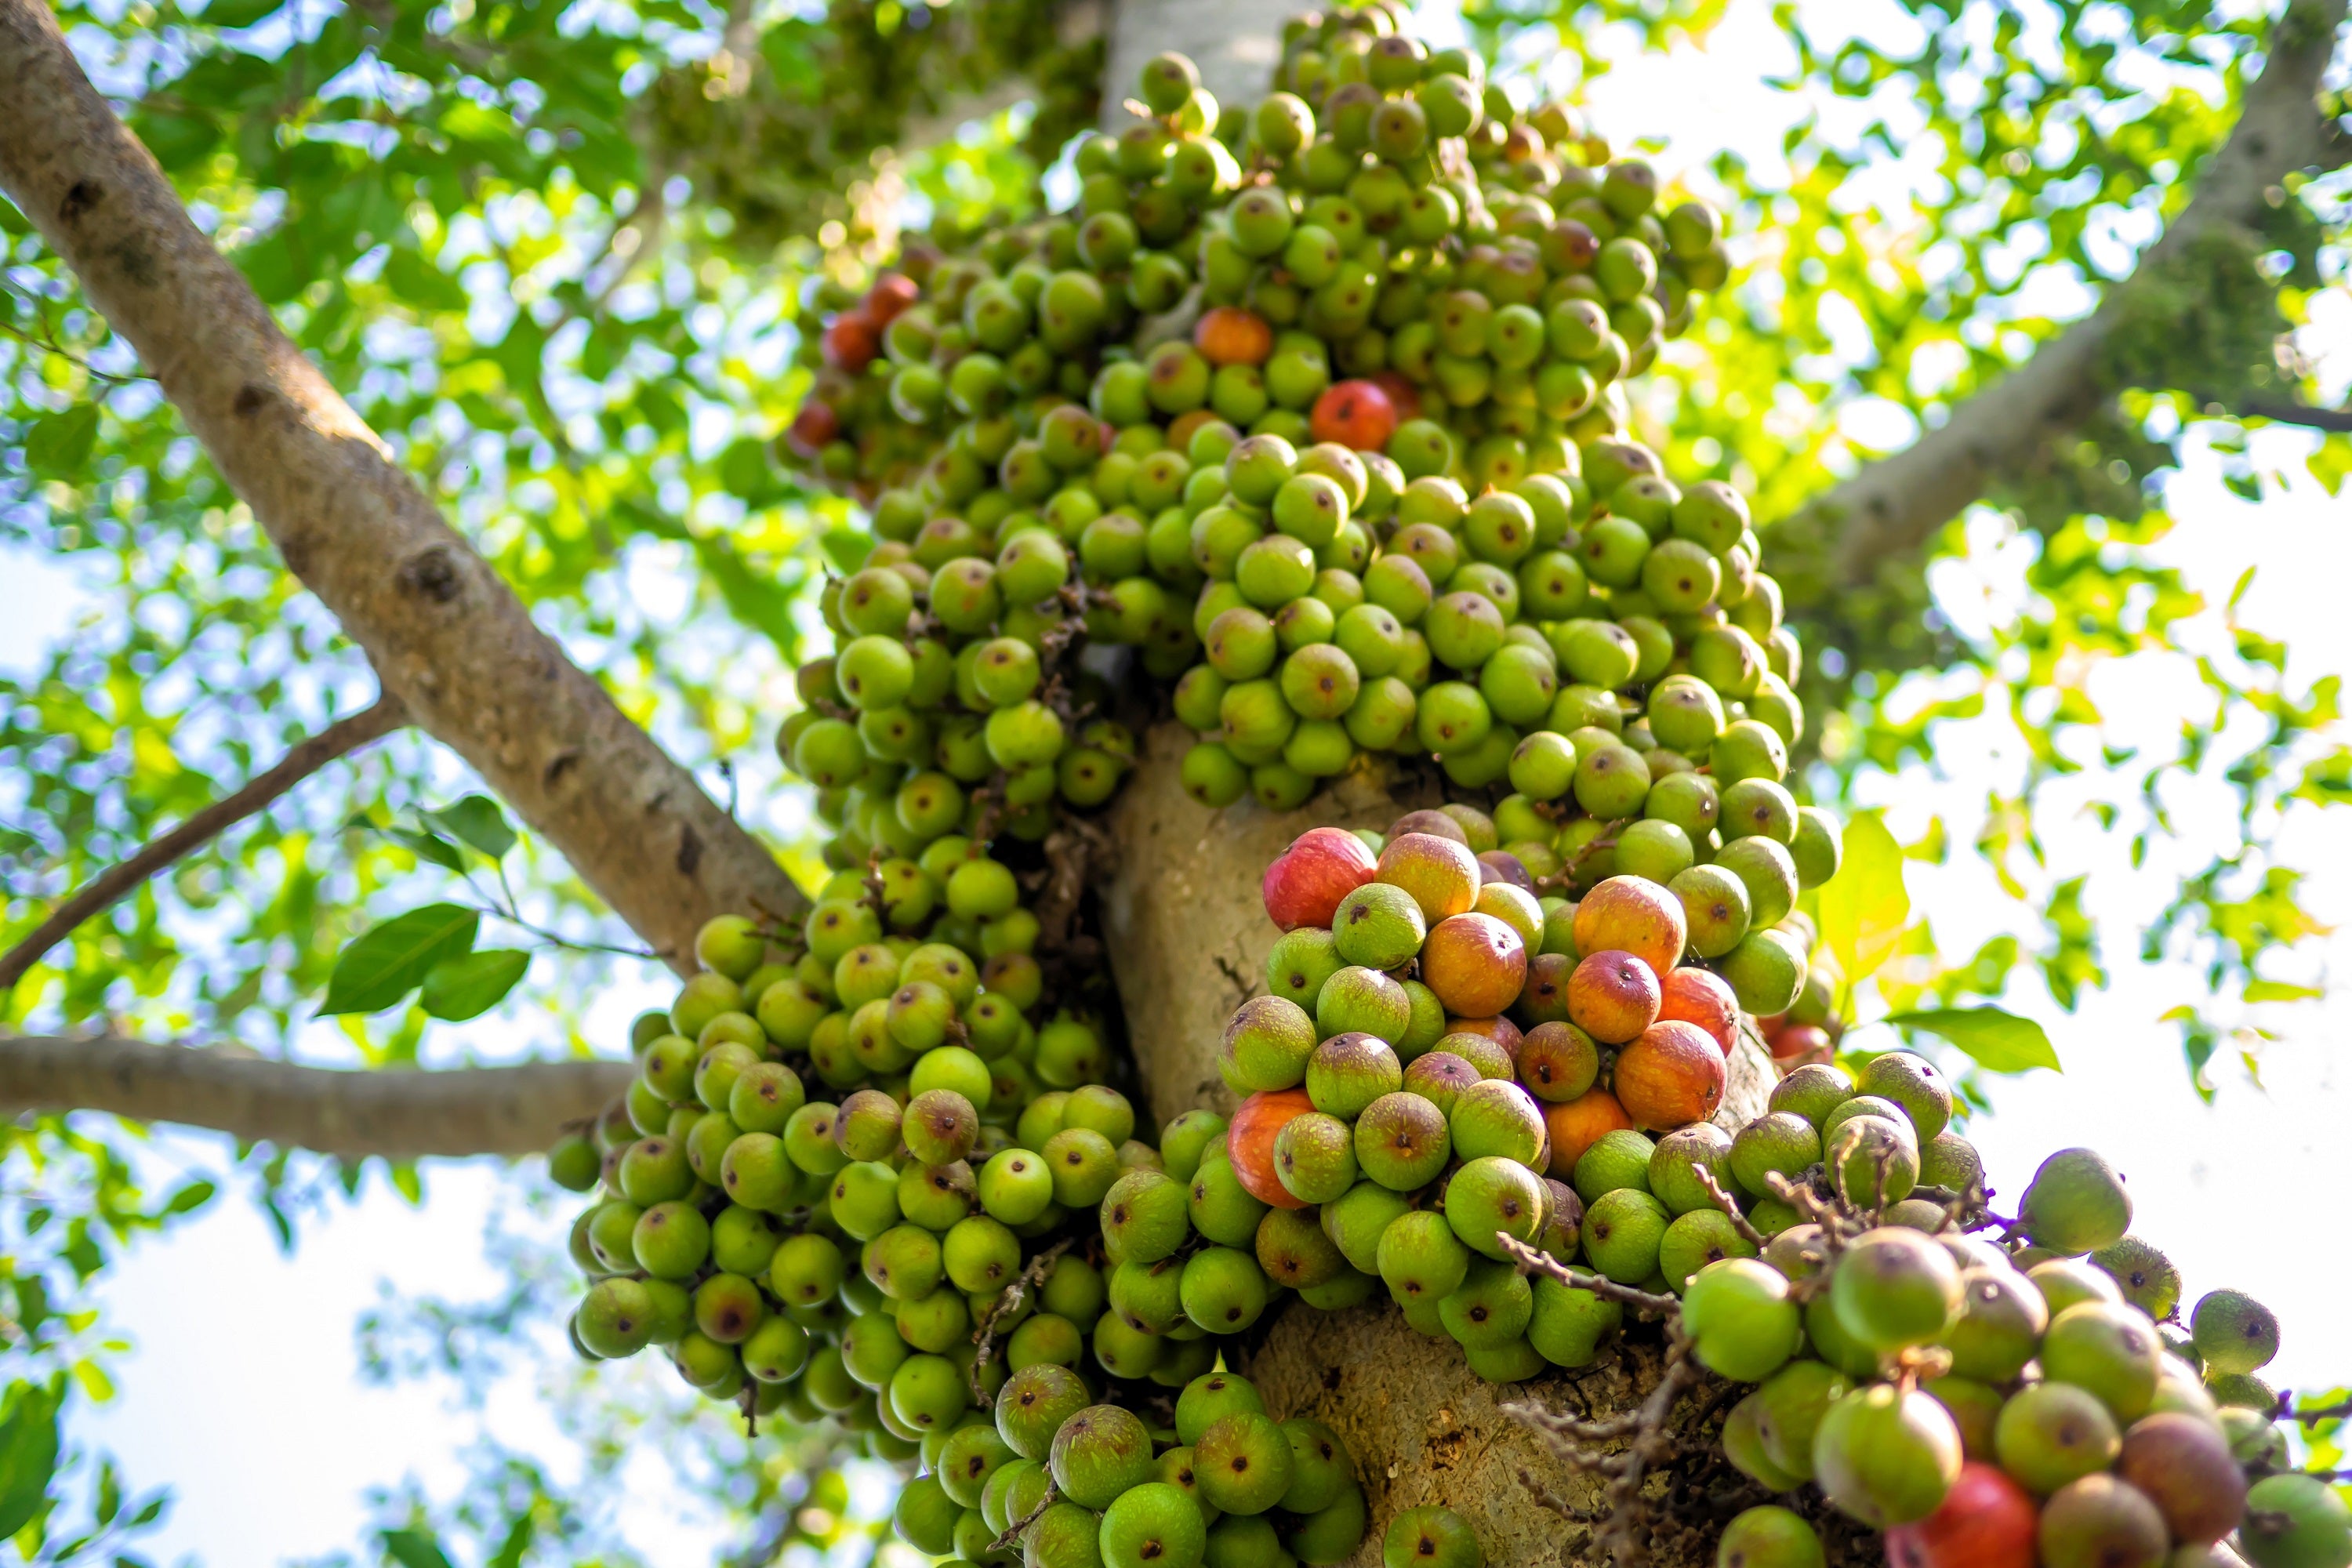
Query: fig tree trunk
[1188,938]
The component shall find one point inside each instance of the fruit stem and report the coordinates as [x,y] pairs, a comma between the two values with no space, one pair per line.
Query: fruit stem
[1012,1531]
[1531,1261]
[1722,1200]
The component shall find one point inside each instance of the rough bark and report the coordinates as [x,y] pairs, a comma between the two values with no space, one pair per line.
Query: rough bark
[447,638]
[395,1113]
[1187,936]
[1895,505]
[340,739]
[1236,44]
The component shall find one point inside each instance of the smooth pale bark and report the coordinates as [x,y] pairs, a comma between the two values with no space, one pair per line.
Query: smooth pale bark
[399,1113]
[1188,934]
[1236,44]
[449,638]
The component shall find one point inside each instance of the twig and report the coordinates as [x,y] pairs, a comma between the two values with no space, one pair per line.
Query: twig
[345,735]
[1972,1197]
[2336,1412]
[1625,1492]
[1075,850]
[506,908]
[2283,410]
[1833,1167]
[991,796]
[1531,1261]
[1012,1531]
[1550,1501]
[1647,1441]
[46,338]
[1722,1200]
[1009,1300]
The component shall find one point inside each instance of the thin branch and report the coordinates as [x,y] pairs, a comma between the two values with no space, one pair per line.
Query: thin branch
[2336,1412]
[445,634]
[337,739]
[1012,1535]
[505,908]
[1895,505]
[2286,411]
[46,338]
[1009,1299]
[1647,1439]
[1722,1200]
[1532,1262]
[399,1113]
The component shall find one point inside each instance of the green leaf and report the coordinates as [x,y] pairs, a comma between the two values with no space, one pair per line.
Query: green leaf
[406,1181]
[429,846]
[745,470]
[195,1195]
[2280,991]
[1997,1040]
[1864,908]
[58,446]
[518,1541]
[387,961]
[476,820]
[462,988]
[417,279]
[29,1454]
[413,1549]
[845,549]
[93,1379]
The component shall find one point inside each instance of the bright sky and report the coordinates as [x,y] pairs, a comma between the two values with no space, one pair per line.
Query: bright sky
[243,1393]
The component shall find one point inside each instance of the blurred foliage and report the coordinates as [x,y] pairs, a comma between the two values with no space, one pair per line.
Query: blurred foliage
[1948,205]
[558,254]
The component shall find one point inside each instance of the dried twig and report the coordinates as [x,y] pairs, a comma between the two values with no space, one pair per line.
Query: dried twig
[340,739]
[1009,1300]
[989,797]
[1075,850]
[1531,1261]
[1551,1502]
[1651,1445]
[1972,1199]
[2338,1411]
[1647,1441]
[1012,1535]
[1722,1200]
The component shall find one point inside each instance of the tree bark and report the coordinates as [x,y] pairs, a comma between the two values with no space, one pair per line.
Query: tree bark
[399,1113]
[1895,505]
[1187,936]
[447,638]
[1236,44]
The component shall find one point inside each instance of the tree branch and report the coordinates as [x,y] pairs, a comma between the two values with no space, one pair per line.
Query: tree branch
[1892,506]
[446,637]
[340,739]
[2286,411]
[395,1113]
